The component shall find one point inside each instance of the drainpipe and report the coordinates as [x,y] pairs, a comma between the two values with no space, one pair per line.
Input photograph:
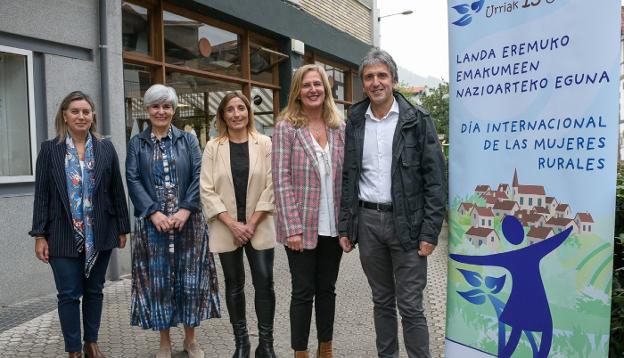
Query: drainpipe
[106,130]
[113,266]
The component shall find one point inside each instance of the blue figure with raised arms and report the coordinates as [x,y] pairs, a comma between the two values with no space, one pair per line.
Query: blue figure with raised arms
[527,307]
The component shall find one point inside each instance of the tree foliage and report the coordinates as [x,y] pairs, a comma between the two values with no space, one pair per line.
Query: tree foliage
[437,104]
[616,343]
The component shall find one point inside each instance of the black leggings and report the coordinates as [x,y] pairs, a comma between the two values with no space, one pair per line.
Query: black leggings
[261,267]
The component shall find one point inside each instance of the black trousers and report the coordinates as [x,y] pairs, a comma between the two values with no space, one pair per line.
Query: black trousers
[313,275]
[261,267]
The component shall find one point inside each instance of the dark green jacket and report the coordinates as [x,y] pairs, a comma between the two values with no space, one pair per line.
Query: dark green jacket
[418,184]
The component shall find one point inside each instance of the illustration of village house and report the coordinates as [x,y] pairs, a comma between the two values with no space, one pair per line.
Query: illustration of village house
[542,216]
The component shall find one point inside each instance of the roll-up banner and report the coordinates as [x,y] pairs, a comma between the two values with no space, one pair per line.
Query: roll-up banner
[533,146]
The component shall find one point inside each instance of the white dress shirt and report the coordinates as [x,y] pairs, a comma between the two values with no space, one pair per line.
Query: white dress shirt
[375,180]
[327,221]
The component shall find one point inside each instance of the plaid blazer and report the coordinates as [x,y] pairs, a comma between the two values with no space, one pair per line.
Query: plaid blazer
[296,183]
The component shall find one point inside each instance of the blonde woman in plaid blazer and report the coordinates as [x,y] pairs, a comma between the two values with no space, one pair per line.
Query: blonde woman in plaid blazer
[308,150]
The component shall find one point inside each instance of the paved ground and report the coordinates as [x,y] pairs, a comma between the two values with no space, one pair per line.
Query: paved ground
[31,328]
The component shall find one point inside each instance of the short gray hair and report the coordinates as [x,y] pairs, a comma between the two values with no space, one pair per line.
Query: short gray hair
[376,56]
[158,94]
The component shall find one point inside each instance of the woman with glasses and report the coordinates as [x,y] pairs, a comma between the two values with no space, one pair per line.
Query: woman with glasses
[308,148]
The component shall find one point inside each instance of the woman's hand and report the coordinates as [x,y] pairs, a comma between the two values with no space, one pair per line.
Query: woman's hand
[41,249]
[295,243]
[160,221]
[178,219]
[242,233]
[122,241]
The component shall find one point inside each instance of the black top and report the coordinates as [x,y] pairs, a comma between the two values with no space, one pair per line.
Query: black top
[239,161]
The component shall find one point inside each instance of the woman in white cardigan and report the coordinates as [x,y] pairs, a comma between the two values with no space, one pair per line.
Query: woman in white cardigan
[237,198]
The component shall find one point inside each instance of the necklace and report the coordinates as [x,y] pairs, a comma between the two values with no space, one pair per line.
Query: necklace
[318,132]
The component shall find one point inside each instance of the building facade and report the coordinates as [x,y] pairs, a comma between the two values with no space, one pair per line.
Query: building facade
[114,50]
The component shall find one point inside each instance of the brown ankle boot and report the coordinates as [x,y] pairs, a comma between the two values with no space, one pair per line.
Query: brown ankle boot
[325,350]
[301,354]
[91,350]
[74,354]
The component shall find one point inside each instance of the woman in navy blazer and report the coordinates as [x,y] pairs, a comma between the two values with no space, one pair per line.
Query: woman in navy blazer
[79,215]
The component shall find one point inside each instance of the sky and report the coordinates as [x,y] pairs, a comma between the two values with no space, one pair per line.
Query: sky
[419,41]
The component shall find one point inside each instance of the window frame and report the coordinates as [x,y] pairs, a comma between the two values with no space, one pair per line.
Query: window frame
[156,60]
[32,126]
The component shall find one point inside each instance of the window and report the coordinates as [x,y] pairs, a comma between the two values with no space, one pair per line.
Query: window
[530,201]
[190,43]
[198,99]
[135,32]
[202,59]
[521,200]
[539,202]
[263,61]
[137,80]
[482,222]
[262,105]
[17,116]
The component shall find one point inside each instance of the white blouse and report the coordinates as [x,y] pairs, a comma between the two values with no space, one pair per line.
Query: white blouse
[327,216]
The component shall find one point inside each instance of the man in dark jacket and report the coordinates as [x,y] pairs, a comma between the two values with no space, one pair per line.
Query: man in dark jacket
[393,202]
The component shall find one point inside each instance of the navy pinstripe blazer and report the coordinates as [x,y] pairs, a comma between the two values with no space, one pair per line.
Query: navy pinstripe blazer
[51,213]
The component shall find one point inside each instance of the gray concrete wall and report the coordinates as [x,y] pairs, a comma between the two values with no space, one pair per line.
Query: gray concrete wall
[62,23]
[22,276]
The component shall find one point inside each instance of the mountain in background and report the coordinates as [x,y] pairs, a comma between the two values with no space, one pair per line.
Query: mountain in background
[413,80]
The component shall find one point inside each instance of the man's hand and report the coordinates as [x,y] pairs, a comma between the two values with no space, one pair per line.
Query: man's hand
[122,241]
[425,248]
[295,243]
[41,249]
[345,244]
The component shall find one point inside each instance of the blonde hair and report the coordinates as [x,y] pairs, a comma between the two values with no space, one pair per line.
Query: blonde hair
[221,125]
[294,110]
[59,120]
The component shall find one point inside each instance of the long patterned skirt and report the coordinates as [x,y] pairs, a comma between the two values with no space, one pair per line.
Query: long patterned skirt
[173,276]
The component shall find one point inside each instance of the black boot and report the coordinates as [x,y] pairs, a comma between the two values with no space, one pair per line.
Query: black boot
[236,308]
[265,311]
[234,272]
[265,342]
[241,339]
